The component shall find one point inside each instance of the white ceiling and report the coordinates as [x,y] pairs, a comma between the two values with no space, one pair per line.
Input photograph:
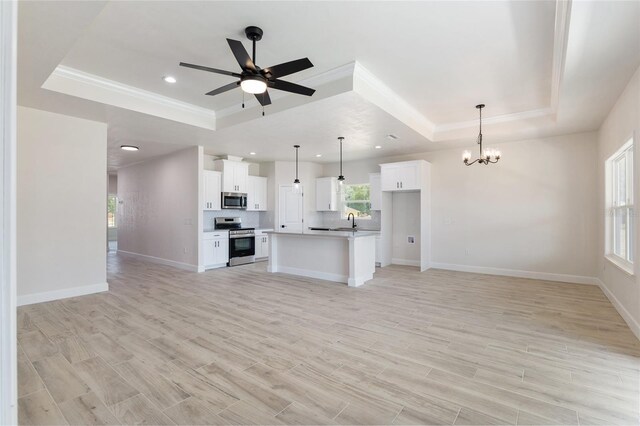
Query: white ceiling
[441,58]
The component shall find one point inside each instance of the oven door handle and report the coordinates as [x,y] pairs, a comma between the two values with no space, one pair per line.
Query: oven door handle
[232,237]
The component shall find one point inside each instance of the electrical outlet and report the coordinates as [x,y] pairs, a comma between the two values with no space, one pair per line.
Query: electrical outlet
[411,239]
[185,250]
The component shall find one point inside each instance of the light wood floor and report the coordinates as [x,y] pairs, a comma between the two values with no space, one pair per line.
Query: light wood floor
[241,346]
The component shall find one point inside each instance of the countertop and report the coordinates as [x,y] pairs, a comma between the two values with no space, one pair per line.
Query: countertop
[328,234]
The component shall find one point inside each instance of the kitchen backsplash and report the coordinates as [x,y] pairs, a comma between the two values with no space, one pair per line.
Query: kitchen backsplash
[249,219]
[333,220]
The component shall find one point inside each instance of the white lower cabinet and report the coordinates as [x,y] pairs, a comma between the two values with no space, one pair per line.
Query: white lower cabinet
[262,246]
[215,249]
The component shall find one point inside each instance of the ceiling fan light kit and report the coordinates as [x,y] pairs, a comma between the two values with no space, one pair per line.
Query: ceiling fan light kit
[253,79]
[253,84]
[487,155]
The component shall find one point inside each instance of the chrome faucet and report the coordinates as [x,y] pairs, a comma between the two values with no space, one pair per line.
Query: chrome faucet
[353,220]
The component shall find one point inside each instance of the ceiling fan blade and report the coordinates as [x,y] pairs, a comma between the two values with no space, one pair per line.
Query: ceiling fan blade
[214,70]
[287,68]
[241,55]
[290,87]
[224,88]
[263,98]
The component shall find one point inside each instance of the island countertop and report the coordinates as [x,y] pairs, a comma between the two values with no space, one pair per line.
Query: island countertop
[328,234]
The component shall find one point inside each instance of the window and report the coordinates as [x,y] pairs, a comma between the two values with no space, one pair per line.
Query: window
[112,203]
[356,200]
[620,221]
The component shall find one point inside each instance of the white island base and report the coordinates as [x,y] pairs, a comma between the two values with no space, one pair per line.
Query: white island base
[344,257]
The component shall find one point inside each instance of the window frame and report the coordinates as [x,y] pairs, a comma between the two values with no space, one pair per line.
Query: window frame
[344,202]
[615,208]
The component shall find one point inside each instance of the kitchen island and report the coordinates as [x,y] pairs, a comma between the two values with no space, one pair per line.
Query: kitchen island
[340,256]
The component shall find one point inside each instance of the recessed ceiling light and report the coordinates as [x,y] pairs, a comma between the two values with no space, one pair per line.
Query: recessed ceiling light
[129,147]
[169,79]
[318,155]
[378,147]
[392,137]
[252,153]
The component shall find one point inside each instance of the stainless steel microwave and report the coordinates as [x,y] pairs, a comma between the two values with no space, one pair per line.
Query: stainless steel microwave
[234,200]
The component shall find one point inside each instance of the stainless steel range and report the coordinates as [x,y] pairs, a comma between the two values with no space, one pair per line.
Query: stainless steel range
[242,241]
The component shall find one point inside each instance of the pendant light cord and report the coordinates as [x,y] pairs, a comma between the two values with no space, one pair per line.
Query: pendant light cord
[341,139]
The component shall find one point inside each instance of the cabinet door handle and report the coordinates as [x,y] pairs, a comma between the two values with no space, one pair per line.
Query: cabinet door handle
[400,184]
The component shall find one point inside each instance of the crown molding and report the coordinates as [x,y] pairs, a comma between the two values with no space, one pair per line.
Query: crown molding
[498,119]
[560,39]
[78,83]
[352,76]
[561,36]
[375,91]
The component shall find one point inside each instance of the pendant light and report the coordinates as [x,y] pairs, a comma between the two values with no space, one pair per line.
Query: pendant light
[340,177]
[296,181]
[486,156]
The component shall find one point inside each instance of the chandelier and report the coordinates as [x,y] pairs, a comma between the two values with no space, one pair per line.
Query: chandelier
[486,156]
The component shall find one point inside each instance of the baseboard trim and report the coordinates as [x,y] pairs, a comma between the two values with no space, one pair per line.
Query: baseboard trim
[405,262]
[545,276]
[626,316]
[48,296]
[162,261]
[313,274]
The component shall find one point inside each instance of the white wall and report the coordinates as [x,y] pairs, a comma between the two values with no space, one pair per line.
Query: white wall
[406,223]
[535,211]
[8,112]
[621,123]
[62,202]
[158,214]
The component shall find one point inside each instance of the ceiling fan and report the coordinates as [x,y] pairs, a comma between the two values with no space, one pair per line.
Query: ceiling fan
[256,80]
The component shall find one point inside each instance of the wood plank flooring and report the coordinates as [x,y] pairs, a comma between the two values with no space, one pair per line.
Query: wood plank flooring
[241,346]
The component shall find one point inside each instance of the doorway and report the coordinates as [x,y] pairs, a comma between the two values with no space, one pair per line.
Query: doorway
[290,209]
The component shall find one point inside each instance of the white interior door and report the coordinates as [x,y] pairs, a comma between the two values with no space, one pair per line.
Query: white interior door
[290,214]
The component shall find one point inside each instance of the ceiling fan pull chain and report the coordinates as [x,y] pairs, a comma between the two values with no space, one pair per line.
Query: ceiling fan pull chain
[243,99]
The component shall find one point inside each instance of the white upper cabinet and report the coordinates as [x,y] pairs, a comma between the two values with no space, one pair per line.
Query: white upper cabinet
[257,193]
[211,190]
[326,194]
[403,176]
[375,191]
[235,175]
